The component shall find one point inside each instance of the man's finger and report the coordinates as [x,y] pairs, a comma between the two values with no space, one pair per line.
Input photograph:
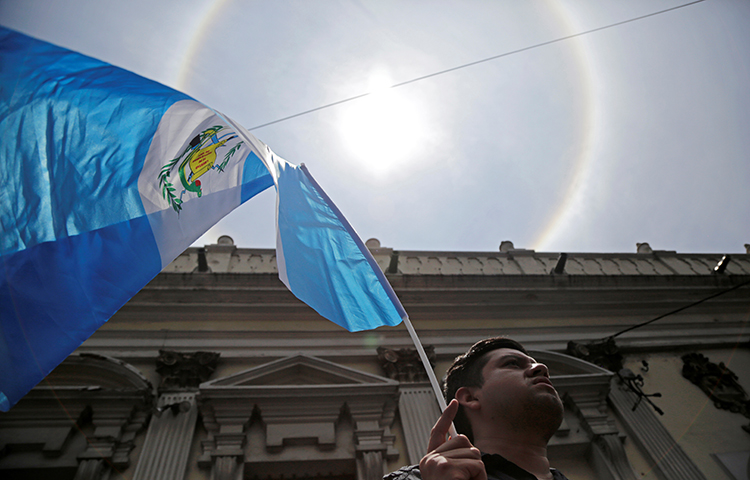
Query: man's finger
[440,430]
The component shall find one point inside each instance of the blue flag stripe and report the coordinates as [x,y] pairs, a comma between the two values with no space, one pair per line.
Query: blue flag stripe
[322,260]
[54,295]
[384,283]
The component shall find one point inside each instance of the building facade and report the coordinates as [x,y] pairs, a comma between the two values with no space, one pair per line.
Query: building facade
[215,371]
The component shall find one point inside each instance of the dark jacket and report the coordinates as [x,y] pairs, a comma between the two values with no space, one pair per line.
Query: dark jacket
[498,468]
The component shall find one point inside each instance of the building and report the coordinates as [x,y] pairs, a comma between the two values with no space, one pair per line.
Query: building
[215,371]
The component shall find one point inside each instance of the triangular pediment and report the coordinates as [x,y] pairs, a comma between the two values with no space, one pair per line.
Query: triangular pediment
[560,364]
[575,377]
[298,370]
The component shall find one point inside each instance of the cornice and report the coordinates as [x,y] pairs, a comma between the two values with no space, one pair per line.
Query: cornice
[262,297]
[230,259]
[338,345]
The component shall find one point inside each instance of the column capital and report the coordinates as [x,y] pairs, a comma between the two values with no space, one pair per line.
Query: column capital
[404,364]
[184,370]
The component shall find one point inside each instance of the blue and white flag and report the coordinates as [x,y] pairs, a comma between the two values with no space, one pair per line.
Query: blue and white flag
[314,241]
[106,178]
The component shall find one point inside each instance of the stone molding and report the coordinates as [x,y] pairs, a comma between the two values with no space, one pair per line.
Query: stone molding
[346,346]
[116,424]
[507,261]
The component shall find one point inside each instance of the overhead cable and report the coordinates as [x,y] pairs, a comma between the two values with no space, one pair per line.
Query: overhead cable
[643,324]
[476,62]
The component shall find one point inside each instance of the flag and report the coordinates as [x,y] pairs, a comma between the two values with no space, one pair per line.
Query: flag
[314,241]
[108,176]
[320,257]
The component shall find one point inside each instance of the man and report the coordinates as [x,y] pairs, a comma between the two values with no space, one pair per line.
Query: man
[505,410]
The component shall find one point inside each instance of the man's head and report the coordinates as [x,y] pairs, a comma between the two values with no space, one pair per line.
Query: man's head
[470,370]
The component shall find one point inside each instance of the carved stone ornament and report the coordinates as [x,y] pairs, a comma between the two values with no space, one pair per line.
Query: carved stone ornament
[604,353]
[404,364]
[185,370]
[718,382]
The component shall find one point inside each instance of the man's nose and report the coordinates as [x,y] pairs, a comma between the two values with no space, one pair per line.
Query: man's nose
[538,369]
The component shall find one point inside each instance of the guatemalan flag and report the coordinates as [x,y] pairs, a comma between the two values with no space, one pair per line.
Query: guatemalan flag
[107,177]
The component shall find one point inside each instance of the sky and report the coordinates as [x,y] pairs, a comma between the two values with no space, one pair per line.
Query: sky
[639,132]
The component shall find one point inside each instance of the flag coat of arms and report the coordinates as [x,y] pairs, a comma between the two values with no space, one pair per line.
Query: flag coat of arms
[108,176]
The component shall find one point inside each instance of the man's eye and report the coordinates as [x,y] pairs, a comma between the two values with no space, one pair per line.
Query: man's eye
[512,363]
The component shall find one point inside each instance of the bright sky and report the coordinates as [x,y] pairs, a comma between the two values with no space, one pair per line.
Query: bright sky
[635,133]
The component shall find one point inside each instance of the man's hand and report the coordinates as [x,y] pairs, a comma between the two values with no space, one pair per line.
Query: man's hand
[455,459]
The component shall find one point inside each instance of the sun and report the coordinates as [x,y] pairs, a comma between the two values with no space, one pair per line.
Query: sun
[383,130]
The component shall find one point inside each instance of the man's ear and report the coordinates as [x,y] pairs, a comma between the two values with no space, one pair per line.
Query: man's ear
[465,396]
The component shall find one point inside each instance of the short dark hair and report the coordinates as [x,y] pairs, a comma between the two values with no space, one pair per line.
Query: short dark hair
[466,371]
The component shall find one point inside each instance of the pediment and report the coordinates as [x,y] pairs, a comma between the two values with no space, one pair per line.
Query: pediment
[299,370]
[575,377]
[561,365]
[80,382]
[96,372]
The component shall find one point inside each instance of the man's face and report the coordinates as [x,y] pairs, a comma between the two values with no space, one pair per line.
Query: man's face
[518,389]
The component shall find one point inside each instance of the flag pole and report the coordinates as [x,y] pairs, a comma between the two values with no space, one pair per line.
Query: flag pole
[428,368]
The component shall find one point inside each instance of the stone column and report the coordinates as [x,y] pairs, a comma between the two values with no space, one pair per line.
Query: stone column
[170,433]
[418,408]
[370,465]
[419,411]
[662,451]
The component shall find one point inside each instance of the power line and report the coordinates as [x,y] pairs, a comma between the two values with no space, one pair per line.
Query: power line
[476,62]
[740,285]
